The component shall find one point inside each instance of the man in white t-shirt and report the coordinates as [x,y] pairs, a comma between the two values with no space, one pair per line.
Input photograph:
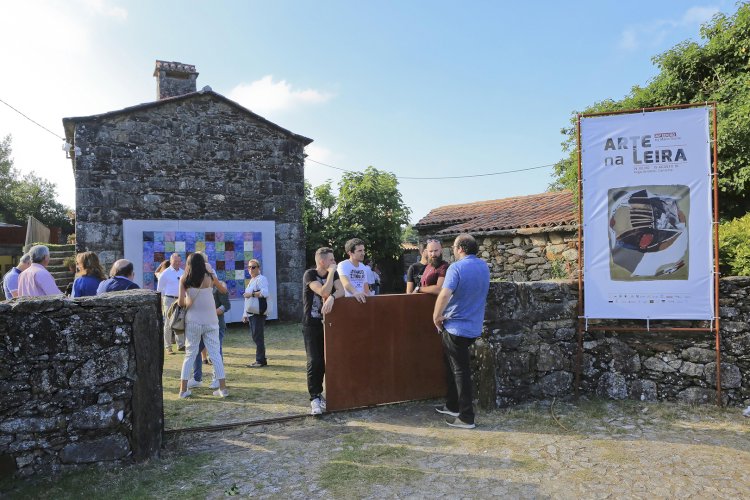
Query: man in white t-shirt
[352,271]
[169,287]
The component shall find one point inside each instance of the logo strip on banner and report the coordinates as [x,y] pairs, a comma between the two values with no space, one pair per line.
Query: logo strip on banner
[648,246]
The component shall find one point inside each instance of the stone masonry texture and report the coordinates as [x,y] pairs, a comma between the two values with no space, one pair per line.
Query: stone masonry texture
[529,346]
[195,157]
[525,255]
[81,381]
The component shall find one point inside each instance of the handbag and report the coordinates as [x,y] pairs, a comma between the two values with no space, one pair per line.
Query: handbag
[256,305]
[176,317]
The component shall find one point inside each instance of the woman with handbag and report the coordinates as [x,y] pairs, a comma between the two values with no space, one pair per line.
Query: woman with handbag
[201,321]
[256,305]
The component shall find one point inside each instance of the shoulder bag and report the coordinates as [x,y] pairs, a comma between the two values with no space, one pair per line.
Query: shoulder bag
[176,317]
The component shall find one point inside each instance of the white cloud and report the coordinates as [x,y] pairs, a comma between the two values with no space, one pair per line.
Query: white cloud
[653,33]
[699,15]
[265,96]
[102,7]
[629,39]
[316,173]
[47,79]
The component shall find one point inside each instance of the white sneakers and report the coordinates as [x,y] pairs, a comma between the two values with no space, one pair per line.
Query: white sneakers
[316,408]
[746,412]
[192,383]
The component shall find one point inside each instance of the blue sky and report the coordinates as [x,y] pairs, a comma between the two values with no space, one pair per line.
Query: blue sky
[417,88]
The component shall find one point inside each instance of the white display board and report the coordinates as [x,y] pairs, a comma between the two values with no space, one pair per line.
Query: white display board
[647,218]
[228,244]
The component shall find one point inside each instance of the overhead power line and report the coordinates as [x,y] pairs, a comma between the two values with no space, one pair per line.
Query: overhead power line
[443,177]
[339,168]
[32,121]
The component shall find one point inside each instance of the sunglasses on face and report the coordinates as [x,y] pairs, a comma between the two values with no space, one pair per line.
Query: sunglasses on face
[253,267]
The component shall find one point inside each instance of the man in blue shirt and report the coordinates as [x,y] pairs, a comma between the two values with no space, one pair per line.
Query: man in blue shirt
[458,315]
[10,280]
[122,275]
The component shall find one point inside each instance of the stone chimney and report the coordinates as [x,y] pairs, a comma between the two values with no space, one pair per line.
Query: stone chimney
[174,78]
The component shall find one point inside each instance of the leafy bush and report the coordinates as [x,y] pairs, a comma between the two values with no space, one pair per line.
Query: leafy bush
[734,247]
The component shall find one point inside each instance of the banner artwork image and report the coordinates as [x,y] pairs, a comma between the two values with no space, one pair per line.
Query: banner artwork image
[648,232]
[647,216]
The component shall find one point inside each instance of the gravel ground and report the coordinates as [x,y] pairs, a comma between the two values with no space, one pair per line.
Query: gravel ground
[593,450]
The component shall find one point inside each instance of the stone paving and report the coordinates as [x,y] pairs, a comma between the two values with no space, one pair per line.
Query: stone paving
[592,450]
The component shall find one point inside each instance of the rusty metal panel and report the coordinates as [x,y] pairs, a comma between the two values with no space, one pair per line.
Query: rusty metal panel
[383,351]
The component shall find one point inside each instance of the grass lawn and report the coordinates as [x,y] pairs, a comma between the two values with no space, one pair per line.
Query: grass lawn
[254,393]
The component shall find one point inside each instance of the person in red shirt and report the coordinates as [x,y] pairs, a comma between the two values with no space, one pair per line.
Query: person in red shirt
[434,273]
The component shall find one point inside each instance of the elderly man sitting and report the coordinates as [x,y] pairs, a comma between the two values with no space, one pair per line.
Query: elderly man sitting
[122,275]
[36,281]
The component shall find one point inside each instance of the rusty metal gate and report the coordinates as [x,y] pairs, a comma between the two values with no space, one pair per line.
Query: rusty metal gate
[383,351]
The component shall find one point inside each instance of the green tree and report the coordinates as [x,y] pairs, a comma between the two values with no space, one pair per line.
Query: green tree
[316,212]
[409,235]
[369,207]
[31,195]
[8,176]
[733,248]
[691,72]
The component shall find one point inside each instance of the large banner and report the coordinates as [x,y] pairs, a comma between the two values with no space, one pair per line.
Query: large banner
[648,246]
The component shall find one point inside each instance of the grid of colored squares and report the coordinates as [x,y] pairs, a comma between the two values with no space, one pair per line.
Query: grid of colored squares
[228,252]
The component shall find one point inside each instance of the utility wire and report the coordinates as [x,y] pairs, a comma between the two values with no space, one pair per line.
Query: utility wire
[32,121]
[445,177]
[338,168]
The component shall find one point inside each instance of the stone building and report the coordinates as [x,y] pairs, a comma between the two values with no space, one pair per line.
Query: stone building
[524,238]
[189,155]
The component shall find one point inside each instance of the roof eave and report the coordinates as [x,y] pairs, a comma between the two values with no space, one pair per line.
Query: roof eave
[569,227]
[70,122]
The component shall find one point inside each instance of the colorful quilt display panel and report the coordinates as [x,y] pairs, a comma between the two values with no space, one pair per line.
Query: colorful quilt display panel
[228,253]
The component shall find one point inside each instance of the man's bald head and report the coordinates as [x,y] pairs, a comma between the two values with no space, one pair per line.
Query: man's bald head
[122,267]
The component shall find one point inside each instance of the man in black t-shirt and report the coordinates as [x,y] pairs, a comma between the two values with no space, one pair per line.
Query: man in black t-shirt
[318,295]
[414,274]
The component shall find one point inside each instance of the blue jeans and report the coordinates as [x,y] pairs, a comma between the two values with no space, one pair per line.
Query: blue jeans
[257,324]
[198,363]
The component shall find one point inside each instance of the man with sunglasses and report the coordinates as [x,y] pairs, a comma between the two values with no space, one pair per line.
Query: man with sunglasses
[257,287]
[434,274]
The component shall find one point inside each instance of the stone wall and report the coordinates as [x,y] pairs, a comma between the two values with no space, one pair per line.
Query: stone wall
[197,157]
[80,381]
[528,351]
[521,256]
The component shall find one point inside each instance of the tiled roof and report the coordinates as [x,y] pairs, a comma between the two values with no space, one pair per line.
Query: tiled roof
[556,208]
[408,246]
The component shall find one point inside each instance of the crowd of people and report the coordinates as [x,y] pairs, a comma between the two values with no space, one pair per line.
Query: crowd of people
[461,290]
